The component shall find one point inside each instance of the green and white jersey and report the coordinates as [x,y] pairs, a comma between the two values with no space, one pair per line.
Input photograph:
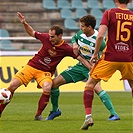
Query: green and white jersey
[86,44]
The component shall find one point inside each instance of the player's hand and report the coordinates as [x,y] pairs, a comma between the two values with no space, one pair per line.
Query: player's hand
[21,17]
[75,49]
[94,59]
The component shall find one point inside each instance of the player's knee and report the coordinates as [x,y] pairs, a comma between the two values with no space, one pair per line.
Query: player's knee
[89,86]
[14,85]
[47,87]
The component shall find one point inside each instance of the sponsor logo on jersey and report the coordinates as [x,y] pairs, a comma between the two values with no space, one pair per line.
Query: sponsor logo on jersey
[47,60]
[85,50]
[52,52]
[121,47]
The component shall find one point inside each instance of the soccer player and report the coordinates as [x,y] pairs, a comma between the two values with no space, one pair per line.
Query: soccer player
[118,54]
[42,66]
[84,43]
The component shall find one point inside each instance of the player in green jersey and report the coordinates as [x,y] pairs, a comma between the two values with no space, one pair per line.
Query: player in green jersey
[84,43]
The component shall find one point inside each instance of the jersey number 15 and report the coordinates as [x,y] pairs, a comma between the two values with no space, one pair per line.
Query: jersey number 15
[121,27]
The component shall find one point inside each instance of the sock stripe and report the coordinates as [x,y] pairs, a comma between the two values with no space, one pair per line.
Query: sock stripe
[46,93]
[88,88]
[102,93]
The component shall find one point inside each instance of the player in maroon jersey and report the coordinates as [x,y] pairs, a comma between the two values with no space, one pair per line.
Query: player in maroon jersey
[118,54]
[42,66]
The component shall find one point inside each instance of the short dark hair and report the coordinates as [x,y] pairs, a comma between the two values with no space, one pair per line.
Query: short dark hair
[58,29]
[124,1]
[89,20]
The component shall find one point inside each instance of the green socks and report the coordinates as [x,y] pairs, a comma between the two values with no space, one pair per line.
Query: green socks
[102,95]
[107,102]
[54,98]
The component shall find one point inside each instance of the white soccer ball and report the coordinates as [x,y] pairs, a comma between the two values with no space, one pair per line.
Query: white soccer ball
[5,96]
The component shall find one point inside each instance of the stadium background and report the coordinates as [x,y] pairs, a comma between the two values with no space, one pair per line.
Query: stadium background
[16,47]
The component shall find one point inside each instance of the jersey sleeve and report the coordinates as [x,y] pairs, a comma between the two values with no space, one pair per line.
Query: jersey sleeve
[75,37]
[69,51]
[41,36]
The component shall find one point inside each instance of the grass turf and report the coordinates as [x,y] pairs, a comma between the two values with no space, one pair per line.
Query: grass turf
[18,117]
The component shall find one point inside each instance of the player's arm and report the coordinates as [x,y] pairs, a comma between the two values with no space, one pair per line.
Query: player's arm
[69,52]
[27,27]
[99,41]
[75,45]
[103,45]
[85,62]
[75,48]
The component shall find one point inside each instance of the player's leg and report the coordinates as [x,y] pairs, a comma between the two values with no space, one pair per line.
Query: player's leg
[45,81]
[107,102]
[102,70]
[88,98]
[131,85]
[127,73]
[15,83]
[73,74]
[55,92]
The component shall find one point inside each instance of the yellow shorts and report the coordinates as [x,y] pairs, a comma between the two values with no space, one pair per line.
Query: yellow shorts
[26,74]
[105,69]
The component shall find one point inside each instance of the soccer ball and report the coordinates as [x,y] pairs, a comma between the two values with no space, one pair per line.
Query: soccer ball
[5,96]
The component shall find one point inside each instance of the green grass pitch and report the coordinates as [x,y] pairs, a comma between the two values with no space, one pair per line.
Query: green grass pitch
[18,117]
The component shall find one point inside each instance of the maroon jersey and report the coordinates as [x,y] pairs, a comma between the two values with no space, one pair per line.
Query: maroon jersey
[119,45]
[49,56]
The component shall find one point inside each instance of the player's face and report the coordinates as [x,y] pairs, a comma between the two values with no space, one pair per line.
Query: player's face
[54,39]
[84,28]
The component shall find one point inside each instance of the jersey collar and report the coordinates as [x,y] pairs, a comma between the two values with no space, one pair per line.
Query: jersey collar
[59,44]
